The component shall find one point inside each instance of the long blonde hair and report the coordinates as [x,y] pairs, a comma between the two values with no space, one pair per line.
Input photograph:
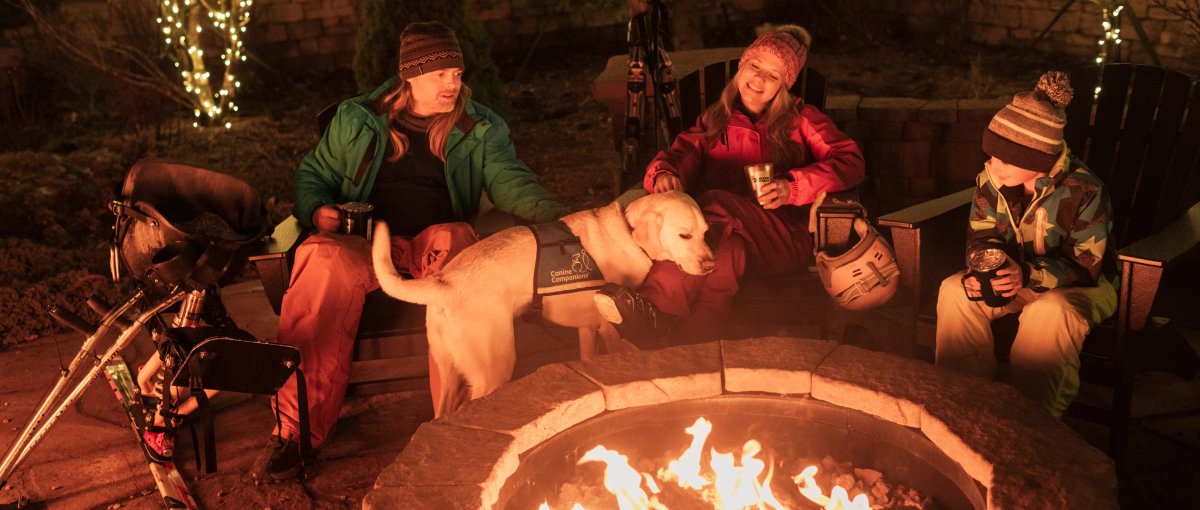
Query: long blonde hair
[400,99]
[779,116]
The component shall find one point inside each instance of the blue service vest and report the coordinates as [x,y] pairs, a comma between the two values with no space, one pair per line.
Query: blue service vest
[562,264]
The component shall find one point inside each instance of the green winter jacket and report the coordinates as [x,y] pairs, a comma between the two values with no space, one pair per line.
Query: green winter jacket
[343,166]
[1064,238]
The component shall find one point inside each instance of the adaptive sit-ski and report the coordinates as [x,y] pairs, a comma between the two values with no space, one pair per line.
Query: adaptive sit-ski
[180,232]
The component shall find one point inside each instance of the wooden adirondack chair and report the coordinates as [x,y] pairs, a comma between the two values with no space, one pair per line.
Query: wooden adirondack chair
[1136,138]
[768,306]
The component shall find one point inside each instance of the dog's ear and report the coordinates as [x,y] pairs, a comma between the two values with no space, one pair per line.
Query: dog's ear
[646,221]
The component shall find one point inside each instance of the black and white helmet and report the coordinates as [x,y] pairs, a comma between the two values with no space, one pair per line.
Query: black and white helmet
[861,273]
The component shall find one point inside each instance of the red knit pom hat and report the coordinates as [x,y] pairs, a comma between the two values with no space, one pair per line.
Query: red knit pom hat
[789,43]
[1029,131]
[428,46]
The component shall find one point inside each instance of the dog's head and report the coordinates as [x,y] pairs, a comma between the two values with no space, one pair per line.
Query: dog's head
[670,226]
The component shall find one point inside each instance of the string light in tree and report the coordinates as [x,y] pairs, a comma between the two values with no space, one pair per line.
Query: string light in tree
[1111,41]
[183,24]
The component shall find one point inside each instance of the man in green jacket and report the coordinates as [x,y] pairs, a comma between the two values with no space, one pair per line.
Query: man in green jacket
[421,152]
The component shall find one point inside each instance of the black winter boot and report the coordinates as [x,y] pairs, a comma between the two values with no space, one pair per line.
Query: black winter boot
[634,316]
[280,461]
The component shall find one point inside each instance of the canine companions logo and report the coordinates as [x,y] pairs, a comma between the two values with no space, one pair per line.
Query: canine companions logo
[581,269]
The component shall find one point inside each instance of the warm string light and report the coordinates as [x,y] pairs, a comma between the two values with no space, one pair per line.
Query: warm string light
[182,23]
[1112,35]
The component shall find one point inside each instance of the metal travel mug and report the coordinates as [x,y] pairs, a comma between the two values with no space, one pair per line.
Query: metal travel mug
[983,266]
[356,219]
[759,175]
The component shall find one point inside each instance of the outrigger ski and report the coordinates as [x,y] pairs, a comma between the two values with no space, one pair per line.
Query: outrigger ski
[171,486]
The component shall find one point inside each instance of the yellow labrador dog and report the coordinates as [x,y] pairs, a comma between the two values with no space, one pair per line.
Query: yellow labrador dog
[472,302]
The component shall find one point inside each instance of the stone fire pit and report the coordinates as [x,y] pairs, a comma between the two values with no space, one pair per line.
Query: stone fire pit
[1019,455]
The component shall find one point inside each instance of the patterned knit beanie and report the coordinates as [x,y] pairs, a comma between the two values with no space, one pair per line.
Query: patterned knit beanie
[1029,131]
[426,47]
[790,44]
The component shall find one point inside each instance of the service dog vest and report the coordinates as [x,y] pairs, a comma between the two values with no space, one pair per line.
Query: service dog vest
[562,265]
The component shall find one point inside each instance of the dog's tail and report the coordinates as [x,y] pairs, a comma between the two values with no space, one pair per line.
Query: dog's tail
[422,291]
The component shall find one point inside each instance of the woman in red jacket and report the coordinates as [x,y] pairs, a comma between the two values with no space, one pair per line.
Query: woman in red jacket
[756,121]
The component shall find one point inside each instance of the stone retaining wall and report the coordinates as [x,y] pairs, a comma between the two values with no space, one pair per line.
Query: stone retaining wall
[1017,22]
[300,29]
[916,149]
[322,33]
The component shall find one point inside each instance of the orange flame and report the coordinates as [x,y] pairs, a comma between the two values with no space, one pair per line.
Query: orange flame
[622,480]
[738,486]
[546,506]
[731,487]
[686,469]
[838,498]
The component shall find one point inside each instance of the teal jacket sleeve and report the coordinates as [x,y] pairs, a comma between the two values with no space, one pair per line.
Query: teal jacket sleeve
[510,184]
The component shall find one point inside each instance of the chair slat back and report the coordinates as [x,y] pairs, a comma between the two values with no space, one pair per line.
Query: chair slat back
[702,87]
[1184,165]
[1135,138]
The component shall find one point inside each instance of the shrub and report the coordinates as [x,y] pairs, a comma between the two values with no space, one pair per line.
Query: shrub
[55,228]
[376,56]
[34,276]
[50,199]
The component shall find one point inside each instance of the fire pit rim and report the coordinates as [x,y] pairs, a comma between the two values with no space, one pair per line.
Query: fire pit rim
[1049,466]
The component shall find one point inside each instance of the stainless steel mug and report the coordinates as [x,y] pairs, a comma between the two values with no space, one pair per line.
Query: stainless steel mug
[356,219]
[983,266]
[759,175]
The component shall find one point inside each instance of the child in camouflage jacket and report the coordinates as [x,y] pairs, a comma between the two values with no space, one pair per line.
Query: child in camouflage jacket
[1052,218]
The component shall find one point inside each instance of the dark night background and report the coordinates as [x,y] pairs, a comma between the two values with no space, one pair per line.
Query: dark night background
[87,88]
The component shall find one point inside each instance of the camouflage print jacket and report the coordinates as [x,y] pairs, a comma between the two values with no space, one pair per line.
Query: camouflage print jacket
[1064,237]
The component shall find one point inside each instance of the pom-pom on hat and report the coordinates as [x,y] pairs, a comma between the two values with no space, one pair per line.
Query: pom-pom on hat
[426,47]
[1029,131]
[789,43]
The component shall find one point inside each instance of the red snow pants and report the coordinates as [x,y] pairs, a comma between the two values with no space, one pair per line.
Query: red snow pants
[330,280]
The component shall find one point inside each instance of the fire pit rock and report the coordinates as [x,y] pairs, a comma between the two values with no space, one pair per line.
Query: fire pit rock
[1021,456]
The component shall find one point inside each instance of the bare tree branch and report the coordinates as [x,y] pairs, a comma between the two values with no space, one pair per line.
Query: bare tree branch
[131,65]
[1186,10]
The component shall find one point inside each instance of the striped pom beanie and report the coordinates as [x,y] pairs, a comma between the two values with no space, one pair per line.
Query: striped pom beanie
[426,47]
[1029,131]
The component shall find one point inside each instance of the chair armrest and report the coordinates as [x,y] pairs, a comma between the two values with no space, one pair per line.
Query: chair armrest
[1142,264]
[835,220]
[913,225]
[489,220]
[915,216]
[1168,243]
[493,220]
[272,262]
